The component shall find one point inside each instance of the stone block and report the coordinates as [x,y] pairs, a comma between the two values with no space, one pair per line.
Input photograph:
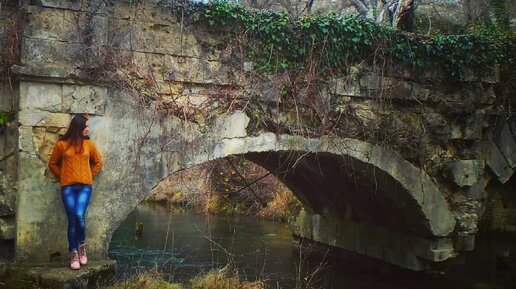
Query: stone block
[144,64]
[44,141]
[169,90]
[184,69]
[217,73]
[26,139]
[147,13]
[43,97]
[48,71]
[506,144]
[41,119]
[469,128]
[391,87]
[319,229]
[7,228]
[64,4]
[437,126]
[465,172]
[302,226]
[154,38]
[42,53]
[473,128]
[86,28]
[32,118]
[45,23]
[189,102]
[498,164]
[125,12]
[314,220]
[57,275]
[60,120]
[477,191]
[84,99]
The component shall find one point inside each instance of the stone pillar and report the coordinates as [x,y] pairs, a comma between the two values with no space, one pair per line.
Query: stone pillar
[45,111]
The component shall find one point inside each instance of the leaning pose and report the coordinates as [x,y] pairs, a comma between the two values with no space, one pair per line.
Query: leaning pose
[75,160]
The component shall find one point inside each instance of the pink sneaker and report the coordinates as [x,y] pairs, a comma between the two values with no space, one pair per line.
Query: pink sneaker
[83,259]
[74,264]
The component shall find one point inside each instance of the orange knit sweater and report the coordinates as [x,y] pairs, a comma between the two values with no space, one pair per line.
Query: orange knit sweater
[75,168]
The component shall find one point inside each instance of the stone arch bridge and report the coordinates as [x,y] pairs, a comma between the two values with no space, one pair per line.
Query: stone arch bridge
[361,194]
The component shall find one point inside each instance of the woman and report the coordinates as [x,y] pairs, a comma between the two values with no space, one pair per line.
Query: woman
[71,161]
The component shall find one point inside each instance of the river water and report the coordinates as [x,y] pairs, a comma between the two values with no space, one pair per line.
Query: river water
[181,245]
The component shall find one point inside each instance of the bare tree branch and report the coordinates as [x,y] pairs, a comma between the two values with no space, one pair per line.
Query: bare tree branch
[361,7]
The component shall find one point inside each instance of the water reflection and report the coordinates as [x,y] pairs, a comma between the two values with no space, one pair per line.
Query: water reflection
[181,245]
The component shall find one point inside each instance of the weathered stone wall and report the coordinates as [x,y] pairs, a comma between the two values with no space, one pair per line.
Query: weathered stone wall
[8,143]
[133,67]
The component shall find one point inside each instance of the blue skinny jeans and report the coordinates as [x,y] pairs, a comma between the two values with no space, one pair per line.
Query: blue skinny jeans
[76,198]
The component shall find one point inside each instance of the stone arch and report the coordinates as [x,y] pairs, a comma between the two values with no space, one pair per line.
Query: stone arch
[420,189]
[435,218]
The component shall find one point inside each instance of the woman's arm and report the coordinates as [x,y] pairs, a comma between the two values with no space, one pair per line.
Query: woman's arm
[55,159]
[96,160]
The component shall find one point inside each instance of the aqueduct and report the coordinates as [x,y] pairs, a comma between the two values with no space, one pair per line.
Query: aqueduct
[359,194]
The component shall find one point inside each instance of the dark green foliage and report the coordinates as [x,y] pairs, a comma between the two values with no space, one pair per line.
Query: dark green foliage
[276,42]
[5,117]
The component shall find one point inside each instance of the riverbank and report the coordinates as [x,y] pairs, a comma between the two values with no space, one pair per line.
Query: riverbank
[229,186]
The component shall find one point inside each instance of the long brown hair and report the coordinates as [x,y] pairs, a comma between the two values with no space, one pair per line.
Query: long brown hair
[74,133]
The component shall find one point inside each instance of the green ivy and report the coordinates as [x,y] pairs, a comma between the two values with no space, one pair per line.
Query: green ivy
[276,42]
[3,118]
[329,44]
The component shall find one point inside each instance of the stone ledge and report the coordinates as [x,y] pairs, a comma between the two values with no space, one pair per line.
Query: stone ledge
[57,275]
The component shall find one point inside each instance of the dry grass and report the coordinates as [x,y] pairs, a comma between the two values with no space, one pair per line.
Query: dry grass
[216,279]
[145,281]
[224,278]
[283,207]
